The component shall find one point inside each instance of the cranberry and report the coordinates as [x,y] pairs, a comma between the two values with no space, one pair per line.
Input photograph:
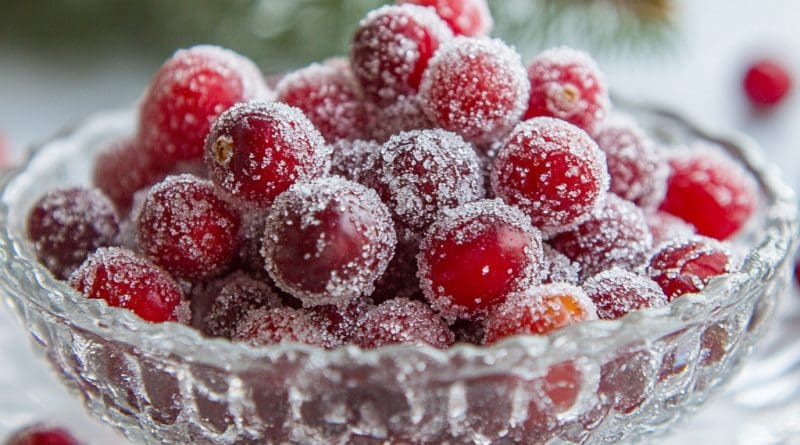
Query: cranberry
[710,191]
[355,160]
[553,171]
[124,279]
[238,295]
[615,234]
[474,256]
[391,48]
[615,292]
[262,327]
[567,84]
[424,171]
[666,227]
[405,114]
[257,150]
[330,98]
[464,17]
[766,82]
[123,169]
[402,321]
[475,87]
[539,310]
[328,240]
[252,233]
[685,266]
[42,435]
[341,322]
[559,268]
[400,278]
[184,227]
[188,92]
[66,225]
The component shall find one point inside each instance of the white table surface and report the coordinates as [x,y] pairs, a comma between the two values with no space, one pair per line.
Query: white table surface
[700,75]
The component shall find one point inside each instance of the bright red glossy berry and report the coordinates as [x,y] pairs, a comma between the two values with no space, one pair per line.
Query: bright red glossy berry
[256,150]
[263,327]
[238,295]
[475,255]
[328,240]
[66,225]
[666,227]
[710,191]
[184,227]
[475,87]
[567,84]
[124,279]
[615,292]
[188,92]
[402,321]
[464,17]
[553,171]
[42,435]
[685,266]
[766,82]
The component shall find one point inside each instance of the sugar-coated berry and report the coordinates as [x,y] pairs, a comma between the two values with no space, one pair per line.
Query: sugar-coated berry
[329,96]
[566,84]
[475,87]
[709,191]
[341,322]
[475,255]
[666,227]
[553,171]
[405,114]
[263,327]
[766,82]
[124,279]
[616,234]
[355,160]
[327,241]
[123,169]
[184,227]
[188,92]
[421,172]
[66,225]
[615,292]
[539,310]
[249,257]
[684,266]
[238,295]
[40,434]
[256,150]
[391,48]
[399,280]
[402,321]
[464,17]
[559,268]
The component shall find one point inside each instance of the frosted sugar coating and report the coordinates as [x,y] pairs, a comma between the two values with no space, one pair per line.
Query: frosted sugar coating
[355,160]
[616,291]
[238,295]
[559,268]
[666,227]
[404,114]
[465,17]
[265,326]
[402,321]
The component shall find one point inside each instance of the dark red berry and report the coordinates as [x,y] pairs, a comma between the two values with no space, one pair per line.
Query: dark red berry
[685,266]
[238,295]
[263,327]
[402,321]
[42,435]
[766,82]
[615,292]
[560,269]
[340,322]
[66,225]
[400,278]
[355,160]
[464,17]
[124,279]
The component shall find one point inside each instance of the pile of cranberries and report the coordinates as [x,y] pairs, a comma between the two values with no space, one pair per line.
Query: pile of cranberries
[430,187]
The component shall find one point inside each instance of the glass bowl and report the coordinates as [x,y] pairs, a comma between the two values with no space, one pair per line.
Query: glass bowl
[596,382]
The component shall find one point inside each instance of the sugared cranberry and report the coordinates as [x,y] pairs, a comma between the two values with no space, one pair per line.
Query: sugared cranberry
[391,48]
[42,435]
[615,292]
[400,278]
[464,17]
[709,191]
[252,233]
[665,227]
[340,322]
[329,97]
[553,171]
[257,150]
[238,295]
[615,234]
[766,82]
[539,310]
[684,266]
[560,269]
[188,92]
[328,240]
[262,327]
[475,87]
[355,160]
[123,169]
[474,256]
[636,170]
[184,227]
[66,225]
[422,172]
[567,84]
[403,115]
[402,321]
[124,279]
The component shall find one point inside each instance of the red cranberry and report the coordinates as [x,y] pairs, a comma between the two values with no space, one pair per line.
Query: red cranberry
[391,48]
[66,225]
[262,327]
[710,191]
[405,114]
[559,268]
[400,278]
[539,310]
[667,227]
[402,321]
[615,234]
[328,240]
[424,171]
[238,295]
[42,435]
[474,256]
[685,266]
[340,322]
[766,82]
[127,280]
[553,171]
[355,160]
[464,17]
[567,84]
[188,92]
[475,87]
[187,229]
[615,292]
[257,150]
